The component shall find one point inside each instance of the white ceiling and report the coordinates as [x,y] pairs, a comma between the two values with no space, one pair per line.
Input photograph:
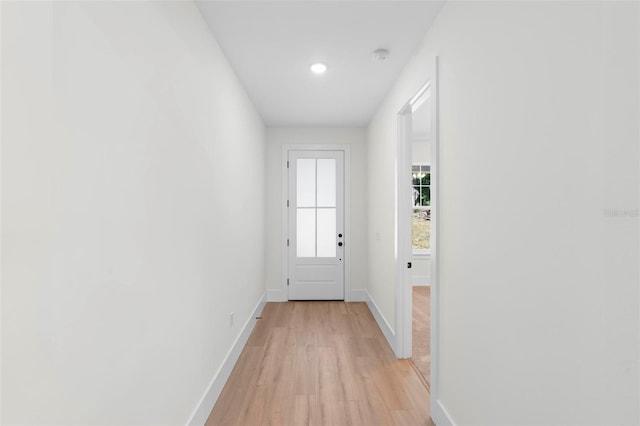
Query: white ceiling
[271,45]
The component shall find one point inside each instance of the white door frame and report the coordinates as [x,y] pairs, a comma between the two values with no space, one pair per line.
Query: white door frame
[347,212]
[404,252]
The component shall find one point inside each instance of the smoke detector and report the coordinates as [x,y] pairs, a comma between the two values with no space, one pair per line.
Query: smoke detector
[380,54]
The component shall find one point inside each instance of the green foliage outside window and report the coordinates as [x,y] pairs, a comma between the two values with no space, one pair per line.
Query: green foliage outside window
[421,217]
[421,176]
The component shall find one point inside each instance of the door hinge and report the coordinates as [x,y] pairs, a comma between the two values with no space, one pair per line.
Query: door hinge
[287,282]
[287,164]
[287,242]
[287,203]
[409,265]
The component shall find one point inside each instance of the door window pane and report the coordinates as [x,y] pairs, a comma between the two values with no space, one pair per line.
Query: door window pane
[306,182]
[306,233]
[327,232]
[326,182]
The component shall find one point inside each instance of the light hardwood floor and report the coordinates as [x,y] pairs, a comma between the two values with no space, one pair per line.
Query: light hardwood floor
[320,363]
[421,330]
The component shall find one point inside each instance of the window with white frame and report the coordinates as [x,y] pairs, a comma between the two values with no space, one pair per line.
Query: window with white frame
[421,217]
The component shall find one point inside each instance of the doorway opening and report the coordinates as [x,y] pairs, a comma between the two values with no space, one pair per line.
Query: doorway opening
[421,139]
[416,232]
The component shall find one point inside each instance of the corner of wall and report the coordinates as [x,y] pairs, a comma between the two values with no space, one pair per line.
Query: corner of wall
[276,296]
[358,295]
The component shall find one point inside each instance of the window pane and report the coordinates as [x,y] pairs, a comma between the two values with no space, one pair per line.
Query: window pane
[416,195]
[306,182]
[306,233]
[426,196]
[421,229]
[327,182]
[426,178]
[327,233]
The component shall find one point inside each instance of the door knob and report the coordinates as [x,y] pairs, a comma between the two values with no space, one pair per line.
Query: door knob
[340,244]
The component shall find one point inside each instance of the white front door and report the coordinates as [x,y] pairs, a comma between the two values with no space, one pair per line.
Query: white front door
[316,225]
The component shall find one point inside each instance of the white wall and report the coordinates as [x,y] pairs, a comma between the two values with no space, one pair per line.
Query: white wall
[421,152]
[132,180]
[539,195]
[276,138]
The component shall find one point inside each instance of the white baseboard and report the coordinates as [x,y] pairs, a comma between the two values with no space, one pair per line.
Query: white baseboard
[208,400]
[382,322]
[358,295]
[440,415]
[276,296]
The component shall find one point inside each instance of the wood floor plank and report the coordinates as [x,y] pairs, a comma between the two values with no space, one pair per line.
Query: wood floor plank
[320,363]
[305,411]
[421,331]
[372,409]
[305,367]
[407,418]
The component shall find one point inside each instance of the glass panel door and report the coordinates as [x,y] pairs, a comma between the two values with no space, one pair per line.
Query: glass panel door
[315,229]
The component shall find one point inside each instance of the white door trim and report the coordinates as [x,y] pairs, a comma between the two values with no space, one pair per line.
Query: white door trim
[403,232]
[284,293]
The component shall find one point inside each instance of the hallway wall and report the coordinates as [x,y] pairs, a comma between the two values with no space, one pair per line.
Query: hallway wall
[132,180]
[278,137]
[539,209]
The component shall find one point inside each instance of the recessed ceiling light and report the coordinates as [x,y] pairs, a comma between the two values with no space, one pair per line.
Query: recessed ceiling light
[318,68]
